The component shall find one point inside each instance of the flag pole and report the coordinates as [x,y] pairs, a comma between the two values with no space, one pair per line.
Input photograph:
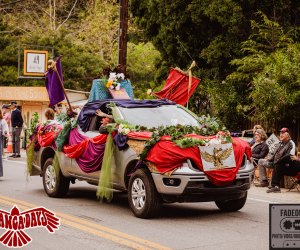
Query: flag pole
[189,71]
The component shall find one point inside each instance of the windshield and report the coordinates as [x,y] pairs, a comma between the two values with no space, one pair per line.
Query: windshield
[159,116]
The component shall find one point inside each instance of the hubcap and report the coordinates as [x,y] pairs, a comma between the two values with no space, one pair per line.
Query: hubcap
[138,193]
[50,178]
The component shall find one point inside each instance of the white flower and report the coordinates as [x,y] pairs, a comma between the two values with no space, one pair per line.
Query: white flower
[126,131]
[118,86]
[120,128]
[112,76]
[120,76]
[149,91]
[214,141]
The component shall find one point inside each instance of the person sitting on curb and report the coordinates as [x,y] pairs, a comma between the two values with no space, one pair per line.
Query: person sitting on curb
[281,155]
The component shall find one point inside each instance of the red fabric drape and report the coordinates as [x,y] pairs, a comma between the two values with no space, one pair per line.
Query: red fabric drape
[46,139]
[176,87]
[76,150]
[166,156]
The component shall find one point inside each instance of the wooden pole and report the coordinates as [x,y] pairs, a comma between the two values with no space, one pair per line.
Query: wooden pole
[123,26]
[63,87]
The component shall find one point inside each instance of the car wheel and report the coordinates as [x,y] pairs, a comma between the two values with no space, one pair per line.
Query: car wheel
[232,205]
[143,197]
[53,186]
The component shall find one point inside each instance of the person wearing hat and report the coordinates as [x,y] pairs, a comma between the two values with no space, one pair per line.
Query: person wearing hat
[284,166]
[281,155]
[16,124]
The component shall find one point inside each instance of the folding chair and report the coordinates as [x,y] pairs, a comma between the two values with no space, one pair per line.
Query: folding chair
[256,171]
[295,180]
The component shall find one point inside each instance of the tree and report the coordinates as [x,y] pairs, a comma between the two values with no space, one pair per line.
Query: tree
[268,74]
[212,33]
[84,32]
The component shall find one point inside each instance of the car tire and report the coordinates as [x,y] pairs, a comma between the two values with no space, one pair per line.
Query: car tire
[53,186]
[232,205]
[143,197]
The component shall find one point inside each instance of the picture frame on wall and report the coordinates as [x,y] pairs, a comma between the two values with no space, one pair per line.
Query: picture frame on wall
[35,62]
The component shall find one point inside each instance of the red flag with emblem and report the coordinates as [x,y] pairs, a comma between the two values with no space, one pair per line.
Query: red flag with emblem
[177,87]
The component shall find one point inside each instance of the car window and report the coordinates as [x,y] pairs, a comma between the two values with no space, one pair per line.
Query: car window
[159,116]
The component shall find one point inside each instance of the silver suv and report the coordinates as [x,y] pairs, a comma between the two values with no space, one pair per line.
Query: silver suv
[146,190]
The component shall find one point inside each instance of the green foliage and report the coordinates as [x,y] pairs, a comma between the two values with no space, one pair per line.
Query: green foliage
[265,84]
[63,136]
[87,40]
[30,156]
[62,118]
[209,126]
[189,142]
[229,40]
[33,123]
[141,59]
[279,85]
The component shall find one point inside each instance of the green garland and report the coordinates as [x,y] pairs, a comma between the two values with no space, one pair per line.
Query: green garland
[62,118]
[34,121]
[30,156]
[104,189]
[189,142]
[63,136]
[56,165]
[209,126]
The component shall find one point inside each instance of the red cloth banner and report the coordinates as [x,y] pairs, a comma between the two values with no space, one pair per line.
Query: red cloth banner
[176,87]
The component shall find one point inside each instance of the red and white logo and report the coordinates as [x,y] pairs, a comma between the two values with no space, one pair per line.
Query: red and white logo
[16,222]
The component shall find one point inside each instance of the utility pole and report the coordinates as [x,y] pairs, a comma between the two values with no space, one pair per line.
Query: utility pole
[123,26]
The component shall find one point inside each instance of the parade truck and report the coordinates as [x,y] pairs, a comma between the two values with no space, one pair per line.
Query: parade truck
[155,150]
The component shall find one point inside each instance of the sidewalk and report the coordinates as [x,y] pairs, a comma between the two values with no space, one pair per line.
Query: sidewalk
[285,196]
[22,158]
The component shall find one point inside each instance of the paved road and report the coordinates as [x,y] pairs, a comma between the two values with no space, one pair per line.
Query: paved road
[89,224]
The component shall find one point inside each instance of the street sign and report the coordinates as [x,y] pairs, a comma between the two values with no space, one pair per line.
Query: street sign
[271,142]
[35,62]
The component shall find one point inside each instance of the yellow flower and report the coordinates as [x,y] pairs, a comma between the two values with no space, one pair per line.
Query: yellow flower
[109,83]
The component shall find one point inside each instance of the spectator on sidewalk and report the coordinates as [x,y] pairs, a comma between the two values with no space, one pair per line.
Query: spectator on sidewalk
[290,169]
[260,148]
[16,124]
[281,155]
[6,114]
[3,133]
[255,127]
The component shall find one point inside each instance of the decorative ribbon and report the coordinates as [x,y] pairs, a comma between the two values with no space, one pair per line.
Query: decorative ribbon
[104,189]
